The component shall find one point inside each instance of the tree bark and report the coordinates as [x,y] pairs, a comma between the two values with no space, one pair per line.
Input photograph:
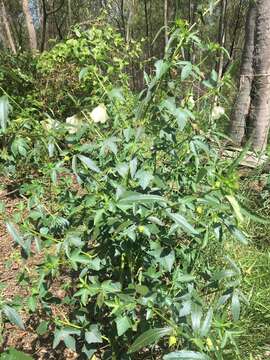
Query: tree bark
[147,35]
[10,40]
[123,27]
[130,20]
[30,26]
[259,118]
[242,102]
[166,34]
[235,37]
[69,13]
[222,37]
[44,26]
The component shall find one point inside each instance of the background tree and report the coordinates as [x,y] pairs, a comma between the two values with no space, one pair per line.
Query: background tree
[10,41]
[30,25]
[251,114]
[260,95]
[242,103]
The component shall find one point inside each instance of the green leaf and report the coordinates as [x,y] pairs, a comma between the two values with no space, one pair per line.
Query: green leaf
[224,274]
[253,216]
[12,315]
[133,167]
[214,75]
[79,258]
[13,354]
[142,289]
[161,68]
[88,352]
[206,326]
[169,104]
[185,355]
[122,324]
[122,169]
[116,93]
[183,223]
[109,145]
[42,328]
[186,71]
[181,117]
[196,315]
[234,204]
[149,337]
[144,178]
[93,335]
[111,287]
[141,198]
[83,73]
[238,234]
[70,342]
[89,163]
[4,112]
[237,161]
[167,261]
[185,278]
[65,336]
[19,147]
[74,168]
[16,236]
[235,306]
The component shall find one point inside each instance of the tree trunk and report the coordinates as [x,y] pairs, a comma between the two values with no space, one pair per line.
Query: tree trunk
[123,27]
[242,103]
[69,13]
[30,25]
[130,20]
[259,118]
[10,40]
[44,26]
[222,37]
[235,37]
[147,35]
[193,5]
[166,37]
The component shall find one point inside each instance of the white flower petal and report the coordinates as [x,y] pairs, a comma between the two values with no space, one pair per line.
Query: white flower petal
[217,112]
[74,123]
[99,114]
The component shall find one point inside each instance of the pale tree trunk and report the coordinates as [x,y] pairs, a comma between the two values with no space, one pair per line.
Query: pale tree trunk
[222,37]
[166,33]
[242,103]
[147,29]
[30,25]
[193,7]
[235,36]
[259,118]
[130,20]
[69,13]
[123,21]
[2,34]
[10,41]
[221,41]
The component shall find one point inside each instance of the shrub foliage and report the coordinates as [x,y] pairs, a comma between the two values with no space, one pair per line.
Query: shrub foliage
[131,214]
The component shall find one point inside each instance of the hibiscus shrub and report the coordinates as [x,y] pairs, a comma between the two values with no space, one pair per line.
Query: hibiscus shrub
[130,205]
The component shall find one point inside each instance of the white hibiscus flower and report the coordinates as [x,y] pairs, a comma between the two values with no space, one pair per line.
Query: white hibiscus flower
[217,112]
[74,123]
[99,114]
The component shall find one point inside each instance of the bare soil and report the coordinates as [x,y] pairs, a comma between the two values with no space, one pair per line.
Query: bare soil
[11,266]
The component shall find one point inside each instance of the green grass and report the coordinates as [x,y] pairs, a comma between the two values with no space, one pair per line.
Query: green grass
[255,340]
[254,343]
